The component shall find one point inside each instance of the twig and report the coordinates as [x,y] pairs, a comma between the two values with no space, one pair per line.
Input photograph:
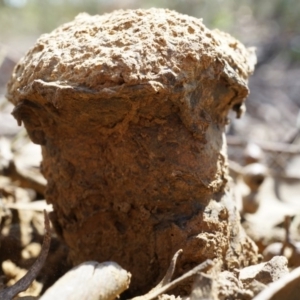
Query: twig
[167,278]
[23,284]
[156,292]
[236,169]
[288,242]
[266,146]
[38,205]
[25,180]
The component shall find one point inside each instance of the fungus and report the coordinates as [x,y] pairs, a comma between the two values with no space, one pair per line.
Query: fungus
[130,109]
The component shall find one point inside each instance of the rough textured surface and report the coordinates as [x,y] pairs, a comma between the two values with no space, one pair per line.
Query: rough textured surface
[130,109]
[229,287]
[265,272]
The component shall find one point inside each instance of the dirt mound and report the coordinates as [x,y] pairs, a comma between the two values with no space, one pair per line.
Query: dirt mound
[130,109]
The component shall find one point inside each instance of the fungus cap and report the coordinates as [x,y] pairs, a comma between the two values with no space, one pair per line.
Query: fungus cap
[157,50]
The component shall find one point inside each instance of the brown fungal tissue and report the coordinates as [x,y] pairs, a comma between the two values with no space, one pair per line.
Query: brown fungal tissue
[130,109]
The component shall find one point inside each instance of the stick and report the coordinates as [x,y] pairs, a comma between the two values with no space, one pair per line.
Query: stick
[10,292]
[167,278]
[155,293]
[266,146]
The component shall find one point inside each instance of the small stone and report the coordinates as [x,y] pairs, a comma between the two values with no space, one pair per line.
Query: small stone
[265,272]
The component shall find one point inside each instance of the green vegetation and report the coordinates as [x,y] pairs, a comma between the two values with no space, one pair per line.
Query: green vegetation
[253,22]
